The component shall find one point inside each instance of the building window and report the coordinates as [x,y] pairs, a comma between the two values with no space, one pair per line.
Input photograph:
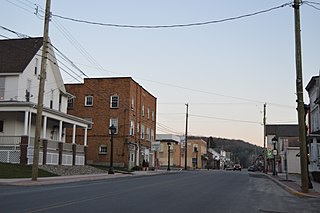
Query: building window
[1,126]
[152,115]
[89,125]
[148,111]
[89,100]
[142,110]
[103,149]
[152,135]
[131,128]
[195,148]
[36,66]
[114,101]
[114,122]
[2,88]
[138,127]
[70,102]
[148,134]
[132,103]
[142,131]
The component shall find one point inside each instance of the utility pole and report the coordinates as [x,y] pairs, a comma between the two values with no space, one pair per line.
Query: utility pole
[186,140]
[264,139]
[299,87]
[41,92]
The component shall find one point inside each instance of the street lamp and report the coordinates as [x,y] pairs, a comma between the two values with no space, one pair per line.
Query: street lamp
[169,145]
[112,129]
[275,153]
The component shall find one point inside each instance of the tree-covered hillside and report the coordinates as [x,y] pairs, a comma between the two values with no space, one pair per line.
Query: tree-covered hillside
[241,152]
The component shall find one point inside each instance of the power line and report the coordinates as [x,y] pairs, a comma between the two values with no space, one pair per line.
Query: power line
[224,119]
[311,5]
[173,25]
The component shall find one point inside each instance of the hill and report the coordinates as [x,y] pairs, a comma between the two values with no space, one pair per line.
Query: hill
[241,152]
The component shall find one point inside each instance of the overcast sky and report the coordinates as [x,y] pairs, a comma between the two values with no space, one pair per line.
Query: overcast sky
[225,71]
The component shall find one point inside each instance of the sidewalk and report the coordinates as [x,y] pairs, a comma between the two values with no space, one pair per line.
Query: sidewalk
[75,178]
[293,184]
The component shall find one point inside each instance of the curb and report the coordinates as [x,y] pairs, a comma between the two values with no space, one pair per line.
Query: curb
[289,189]
[75,178]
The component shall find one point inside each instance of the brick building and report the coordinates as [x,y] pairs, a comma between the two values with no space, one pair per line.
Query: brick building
[128,106]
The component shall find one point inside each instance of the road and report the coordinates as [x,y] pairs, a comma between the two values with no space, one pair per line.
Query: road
[192,191]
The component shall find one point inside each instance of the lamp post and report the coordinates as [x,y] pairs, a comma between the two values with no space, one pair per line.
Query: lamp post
[112,129]
[275,153]
[169,145]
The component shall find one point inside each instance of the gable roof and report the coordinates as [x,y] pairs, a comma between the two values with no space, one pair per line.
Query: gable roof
[16,54]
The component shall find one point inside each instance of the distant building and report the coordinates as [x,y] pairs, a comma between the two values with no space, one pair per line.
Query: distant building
[121,102]
[288,147]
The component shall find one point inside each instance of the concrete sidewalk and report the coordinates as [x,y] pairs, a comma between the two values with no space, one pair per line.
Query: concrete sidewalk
[293,184]
[76,178]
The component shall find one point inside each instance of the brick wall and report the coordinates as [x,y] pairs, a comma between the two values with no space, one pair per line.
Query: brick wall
[102,89]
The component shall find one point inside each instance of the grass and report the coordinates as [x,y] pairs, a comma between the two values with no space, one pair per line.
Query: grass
[8,170]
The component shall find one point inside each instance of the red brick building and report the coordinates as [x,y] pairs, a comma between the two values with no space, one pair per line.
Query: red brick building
[128,106]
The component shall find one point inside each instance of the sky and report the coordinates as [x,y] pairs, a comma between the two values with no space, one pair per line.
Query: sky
[225,71]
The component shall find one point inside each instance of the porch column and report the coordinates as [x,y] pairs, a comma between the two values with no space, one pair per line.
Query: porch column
[60,131]
[85,136]
[44,129]
[26,119]
[24,150]
[44,151]
[74,154]
[60,151]
[74,134]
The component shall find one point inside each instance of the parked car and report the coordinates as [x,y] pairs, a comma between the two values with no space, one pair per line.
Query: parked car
[229,168]
[251,169]
[237,167]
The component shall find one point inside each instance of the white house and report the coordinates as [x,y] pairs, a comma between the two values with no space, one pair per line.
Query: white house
[313,137]
[20,61]
[287,147]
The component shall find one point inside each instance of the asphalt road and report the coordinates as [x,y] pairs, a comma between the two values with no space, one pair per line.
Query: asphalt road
[192,191]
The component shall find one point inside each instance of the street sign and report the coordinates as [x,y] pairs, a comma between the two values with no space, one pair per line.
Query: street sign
[275,152]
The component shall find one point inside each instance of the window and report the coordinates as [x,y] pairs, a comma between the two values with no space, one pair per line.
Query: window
[89,125]
[132,103]
[148,111]
[36,66]
[103,149]
[131,128]
[152,135]
[2,87]
[152,115]
[195,148]
[148,134]
[142,110]
[70,102]
[114,122]
[138,127]
[142,131]
[1,126]
[89,100]
[114,101]
[28,90]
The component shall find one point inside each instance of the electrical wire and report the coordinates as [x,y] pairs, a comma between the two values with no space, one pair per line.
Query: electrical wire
[311,5]
[224,119]
[174,25]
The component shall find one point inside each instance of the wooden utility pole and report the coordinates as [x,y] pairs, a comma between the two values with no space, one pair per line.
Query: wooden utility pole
[186,140]
[41,92]
[300,102]
[264,139]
